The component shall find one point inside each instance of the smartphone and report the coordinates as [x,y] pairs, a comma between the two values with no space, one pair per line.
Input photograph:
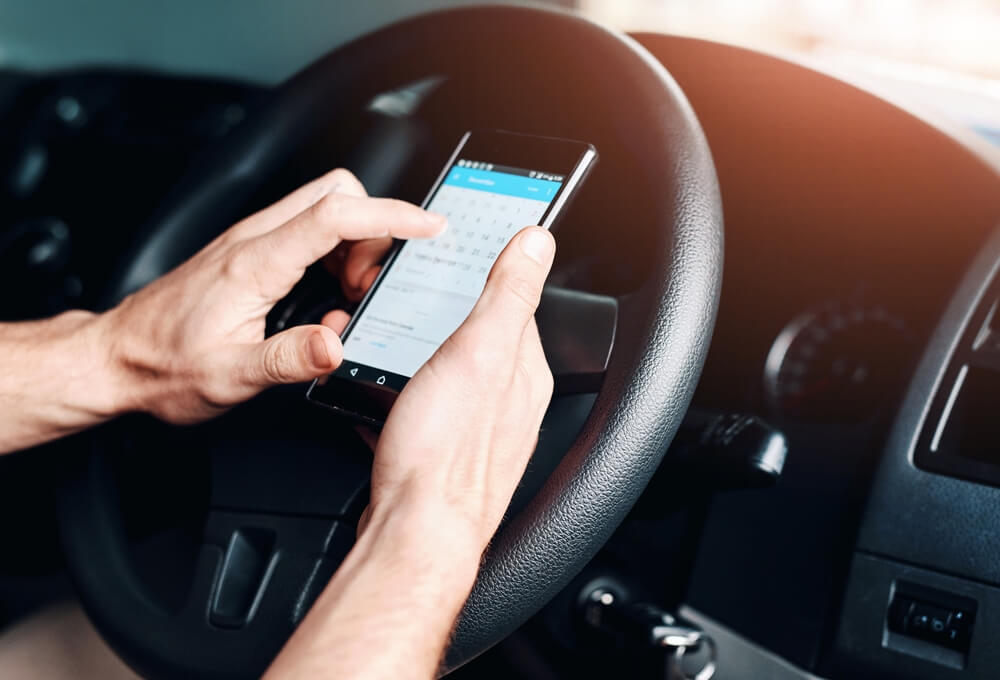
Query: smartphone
[494,184]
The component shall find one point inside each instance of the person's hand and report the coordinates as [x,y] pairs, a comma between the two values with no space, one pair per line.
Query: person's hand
[460,434]
[446,465]
[191,344]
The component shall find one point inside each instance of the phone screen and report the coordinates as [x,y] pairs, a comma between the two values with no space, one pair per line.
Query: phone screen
[495,184]
[429,287]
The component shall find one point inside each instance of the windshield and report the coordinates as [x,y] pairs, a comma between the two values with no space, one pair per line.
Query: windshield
[943,54]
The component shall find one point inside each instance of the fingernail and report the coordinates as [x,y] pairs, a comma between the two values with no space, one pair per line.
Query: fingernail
[437,220]
[537,244]
[318,352]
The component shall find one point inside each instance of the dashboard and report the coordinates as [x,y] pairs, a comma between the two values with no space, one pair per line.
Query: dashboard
[850,225]
[833,198]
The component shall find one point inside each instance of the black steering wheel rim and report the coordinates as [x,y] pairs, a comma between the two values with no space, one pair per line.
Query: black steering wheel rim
[661,342]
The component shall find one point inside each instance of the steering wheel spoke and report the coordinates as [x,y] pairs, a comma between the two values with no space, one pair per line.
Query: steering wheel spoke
[578,333]
[258,552]
[279,454]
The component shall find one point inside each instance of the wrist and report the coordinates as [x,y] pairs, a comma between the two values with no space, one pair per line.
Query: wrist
[143,376]
[461,514]
[60,378]
[425,537]
[399,591]
[94,383]
[413,521]
[126,383]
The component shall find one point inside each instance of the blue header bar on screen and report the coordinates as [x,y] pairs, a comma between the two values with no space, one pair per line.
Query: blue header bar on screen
[503,183]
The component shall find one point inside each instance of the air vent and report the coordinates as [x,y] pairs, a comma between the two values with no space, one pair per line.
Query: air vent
[961,433]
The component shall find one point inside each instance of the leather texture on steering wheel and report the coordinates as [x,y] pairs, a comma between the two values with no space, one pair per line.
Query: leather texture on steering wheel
[614,90]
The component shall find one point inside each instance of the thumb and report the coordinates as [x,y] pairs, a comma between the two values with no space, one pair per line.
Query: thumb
[514,286]
[296,355]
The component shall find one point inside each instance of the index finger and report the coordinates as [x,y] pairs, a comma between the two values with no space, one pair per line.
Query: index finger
[338,181]
[316,231]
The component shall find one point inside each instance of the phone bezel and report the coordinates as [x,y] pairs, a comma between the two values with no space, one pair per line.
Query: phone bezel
[366,400]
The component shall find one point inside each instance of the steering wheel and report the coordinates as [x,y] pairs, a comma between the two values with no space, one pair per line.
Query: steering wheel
[272,537]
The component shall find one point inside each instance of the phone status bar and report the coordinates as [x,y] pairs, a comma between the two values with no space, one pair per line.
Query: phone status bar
[494,167]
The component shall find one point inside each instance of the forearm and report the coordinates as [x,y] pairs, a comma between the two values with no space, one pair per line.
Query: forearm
[57,377]
[388,611]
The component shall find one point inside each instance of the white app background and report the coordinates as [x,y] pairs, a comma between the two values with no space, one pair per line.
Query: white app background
[434,283]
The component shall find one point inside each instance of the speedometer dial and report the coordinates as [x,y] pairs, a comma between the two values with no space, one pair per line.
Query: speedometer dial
[838,363]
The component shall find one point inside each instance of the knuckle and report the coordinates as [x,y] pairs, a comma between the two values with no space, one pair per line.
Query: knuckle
[537,380]
[216,395]
[231,234]
[546,384]
[401,212]
[210,388]
[344,177]
[544,380]
[328,208]
[401,206]
[525,376]
[243,265]
[520,287]
[278,362]
[344,181]
[238,264]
